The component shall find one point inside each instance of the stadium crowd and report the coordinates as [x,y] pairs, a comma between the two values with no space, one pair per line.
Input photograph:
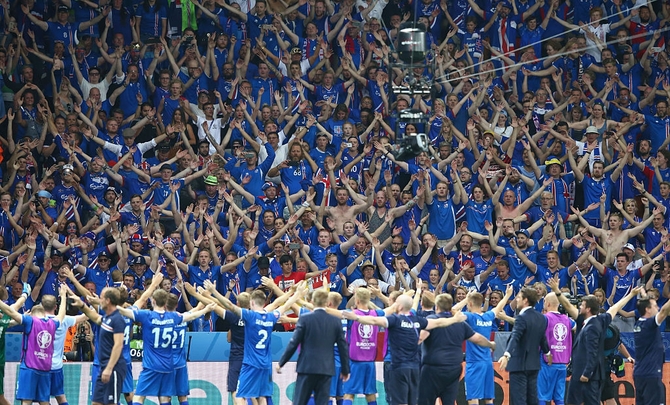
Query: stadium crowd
[250,145]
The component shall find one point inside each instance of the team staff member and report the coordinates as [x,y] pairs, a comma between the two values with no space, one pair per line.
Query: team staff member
[648,371]
[109,384]
[403,332]
[442,355]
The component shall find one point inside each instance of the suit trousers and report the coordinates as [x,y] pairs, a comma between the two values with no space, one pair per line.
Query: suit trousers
[306,384]
[523,387]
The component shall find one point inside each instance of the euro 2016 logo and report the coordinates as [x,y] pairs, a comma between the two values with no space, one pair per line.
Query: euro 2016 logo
[365,331]
[44,339]
[560,332]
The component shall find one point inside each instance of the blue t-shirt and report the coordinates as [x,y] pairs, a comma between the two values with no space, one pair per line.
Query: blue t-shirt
[484,325]
[403,332]
[111,324]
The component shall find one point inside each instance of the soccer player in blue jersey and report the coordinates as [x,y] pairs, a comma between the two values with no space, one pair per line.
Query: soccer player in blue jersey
[479,380]
[179,354]
[255,380]
[157,376]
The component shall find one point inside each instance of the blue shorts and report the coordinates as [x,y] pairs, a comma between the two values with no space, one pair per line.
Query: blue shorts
[363,378]
[110,392]
[181,381]
[479,382]
[551,382]
[336,386]
[128,383]
[33,385]
[57,387]
[254,382]
[95,372]
[234,367]
[154,384]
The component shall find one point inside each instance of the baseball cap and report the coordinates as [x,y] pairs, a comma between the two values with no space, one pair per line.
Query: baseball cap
[139,260]
[263,262]
[628,246]
[89,235]
[523,232]
[136,237]
[267,185]
[113,189]
[165,166]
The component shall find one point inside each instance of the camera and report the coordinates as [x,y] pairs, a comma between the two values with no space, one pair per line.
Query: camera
[294,246]
[574,300]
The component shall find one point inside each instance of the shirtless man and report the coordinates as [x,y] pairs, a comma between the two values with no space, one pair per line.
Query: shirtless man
[343,212]
[507,209]
[615,238]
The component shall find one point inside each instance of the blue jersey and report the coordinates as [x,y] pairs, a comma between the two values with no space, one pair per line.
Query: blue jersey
[158,329]
[126,339]
[483,324]
[258,334]
[178,338]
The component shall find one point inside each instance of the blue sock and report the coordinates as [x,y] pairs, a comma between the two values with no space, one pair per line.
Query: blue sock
[347,402]
[311,401]
[339,401]
[372,403]
[183,402]
[542,402]
[166,403]
[64,403]
[558,402]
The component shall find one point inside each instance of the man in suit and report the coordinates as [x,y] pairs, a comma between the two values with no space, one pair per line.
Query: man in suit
[522,357]
[316,333]
[589,369]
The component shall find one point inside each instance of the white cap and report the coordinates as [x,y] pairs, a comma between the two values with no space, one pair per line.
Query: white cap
[628,246]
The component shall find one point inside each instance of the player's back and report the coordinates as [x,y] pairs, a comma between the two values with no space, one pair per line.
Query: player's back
[482,324]
[257,337]
[158,330]
[178,346]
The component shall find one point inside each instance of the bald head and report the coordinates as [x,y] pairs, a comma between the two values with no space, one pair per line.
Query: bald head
[551,302]
[404,303]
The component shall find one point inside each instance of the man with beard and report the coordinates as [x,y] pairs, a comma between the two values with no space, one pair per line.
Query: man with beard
[597,184]
[296,169]
[197,76]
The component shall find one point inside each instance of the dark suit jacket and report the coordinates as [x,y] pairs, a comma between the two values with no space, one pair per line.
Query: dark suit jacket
[317,333]
[526,340]
[588,359]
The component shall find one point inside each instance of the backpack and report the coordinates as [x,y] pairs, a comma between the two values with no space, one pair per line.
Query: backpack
[612,341]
